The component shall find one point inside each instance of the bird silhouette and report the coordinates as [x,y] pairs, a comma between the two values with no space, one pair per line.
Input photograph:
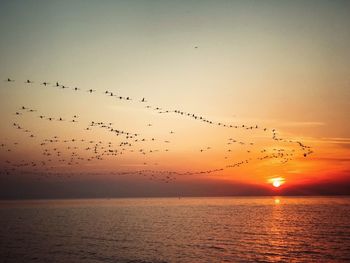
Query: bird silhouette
[98,150]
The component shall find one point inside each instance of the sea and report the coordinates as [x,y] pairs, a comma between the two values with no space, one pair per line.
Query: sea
[159,230]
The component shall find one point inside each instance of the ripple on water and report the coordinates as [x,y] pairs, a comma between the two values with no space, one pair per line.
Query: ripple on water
[185,230]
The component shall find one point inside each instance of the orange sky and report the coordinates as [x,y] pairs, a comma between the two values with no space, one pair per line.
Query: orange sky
[282,66]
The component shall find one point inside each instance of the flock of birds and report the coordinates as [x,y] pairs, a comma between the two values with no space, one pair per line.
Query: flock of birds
[60,155]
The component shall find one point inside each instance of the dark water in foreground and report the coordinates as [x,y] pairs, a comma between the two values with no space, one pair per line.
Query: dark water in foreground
[311,229]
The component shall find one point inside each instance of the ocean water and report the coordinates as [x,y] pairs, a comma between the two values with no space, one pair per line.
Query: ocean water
[237,229]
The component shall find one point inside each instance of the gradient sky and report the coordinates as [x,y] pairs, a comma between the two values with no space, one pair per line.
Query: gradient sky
[282,65]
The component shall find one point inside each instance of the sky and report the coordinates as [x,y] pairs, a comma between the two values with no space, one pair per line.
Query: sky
[283,66]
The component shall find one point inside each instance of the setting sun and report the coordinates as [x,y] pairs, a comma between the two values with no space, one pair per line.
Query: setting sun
[277,182]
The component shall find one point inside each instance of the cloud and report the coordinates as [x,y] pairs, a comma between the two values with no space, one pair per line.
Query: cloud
[345,159]
[302,124]
[333,140]
[336,140]
[330,186]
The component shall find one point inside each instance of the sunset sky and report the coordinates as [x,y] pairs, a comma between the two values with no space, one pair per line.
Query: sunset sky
[279,65]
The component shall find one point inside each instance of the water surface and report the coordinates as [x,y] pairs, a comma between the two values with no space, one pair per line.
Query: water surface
[266,229]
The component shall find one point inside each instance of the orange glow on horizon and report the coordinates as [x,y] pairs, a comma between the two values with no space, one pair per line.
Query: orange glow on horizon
[173,106]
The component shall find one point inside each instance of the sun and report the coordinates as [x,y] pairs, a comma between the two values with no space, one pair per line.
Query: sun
[277,181]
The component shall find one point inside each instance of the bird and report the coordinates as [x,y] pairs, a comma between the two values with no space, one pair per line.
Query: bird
[100,149]
[9,80]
